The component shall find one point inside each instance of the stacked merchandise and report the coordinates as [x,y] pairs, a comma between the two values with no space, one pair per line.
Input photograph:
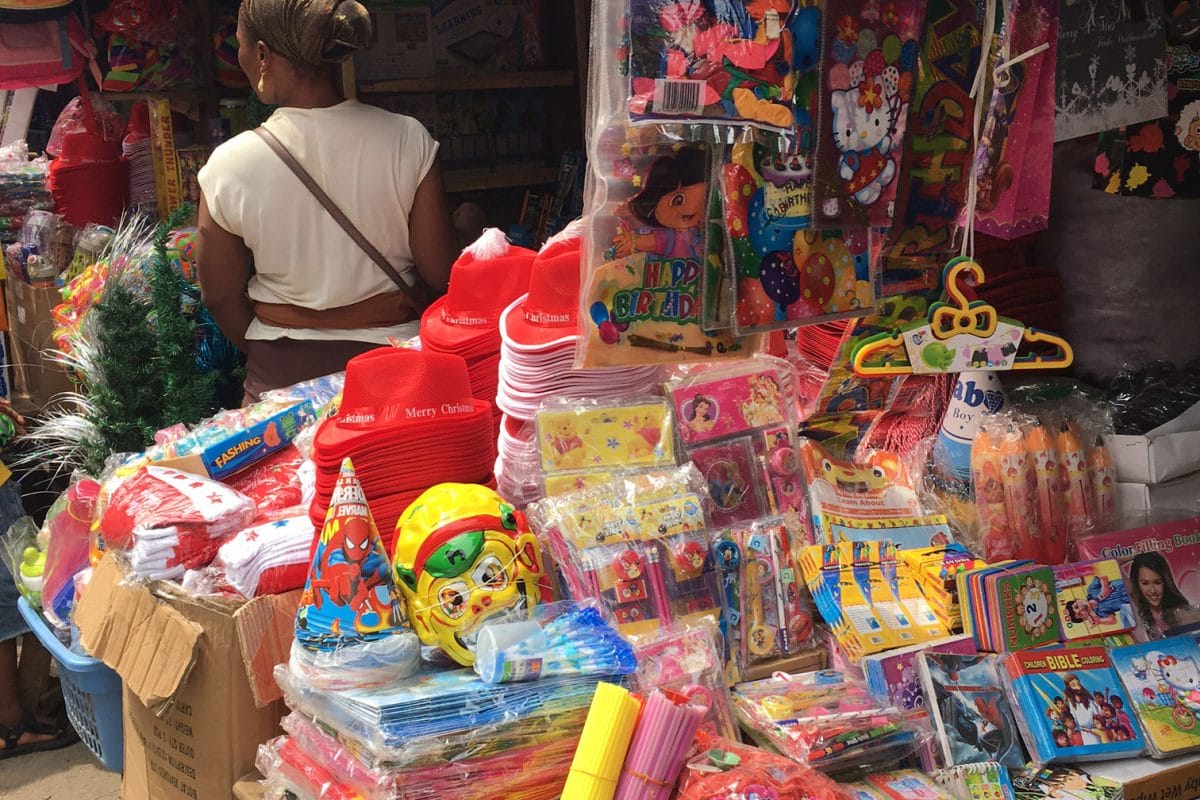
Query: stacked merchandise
[22,188]
[538,335]
[485,279]
[137,150]
[409,420]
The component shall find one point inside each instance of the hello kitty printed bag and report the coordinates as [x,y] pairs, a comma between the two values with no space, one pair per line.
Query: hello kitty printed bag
[870,50]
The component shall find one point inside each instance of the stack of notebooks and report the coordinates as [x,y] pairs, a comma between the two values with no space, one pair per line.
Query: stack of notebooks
[1017,605]
[1162,681]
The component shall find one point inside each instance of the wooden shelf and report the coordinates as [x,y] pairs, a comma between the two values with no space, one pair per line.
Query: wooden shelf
[541,79]
[468,180]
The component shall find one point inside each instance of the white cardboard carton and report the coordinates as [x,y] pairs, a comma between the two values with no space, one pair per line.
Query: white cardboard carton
[1169,451]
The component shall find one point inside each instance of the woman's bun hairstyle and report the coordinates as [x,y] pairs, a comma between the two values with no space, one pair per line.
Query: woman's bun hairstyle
[349,31]
[309,33]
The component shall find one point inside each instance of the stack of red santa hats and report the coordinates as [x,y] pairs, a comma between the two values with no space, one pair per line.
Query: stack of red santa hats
[485,279]
[539,332]
[409,421]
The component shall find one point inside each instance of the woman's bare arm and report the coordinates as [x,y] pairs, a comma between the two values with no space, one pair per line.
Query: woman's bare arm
[433,242]
[224,270]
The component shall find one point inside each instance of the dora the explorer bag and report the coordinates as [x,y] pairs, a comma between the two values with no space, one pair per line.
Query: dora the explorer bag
[411,287]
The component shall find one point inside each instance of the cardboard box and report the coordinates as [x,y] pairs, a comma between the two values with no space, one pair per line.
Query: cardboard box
[36,380]
[199,694]
[403,45]
[1147,779]
[1180,493]
[244,448]
[486,35]
[1168,451]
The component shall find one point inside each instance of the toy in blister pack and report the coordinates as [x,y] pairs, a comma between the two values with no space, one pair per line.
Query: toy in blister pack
[644,280]
[687,659]
[731,61]
[464,556]
[738,428]
[784,274]
[825,719]
[764,616]
[870,52]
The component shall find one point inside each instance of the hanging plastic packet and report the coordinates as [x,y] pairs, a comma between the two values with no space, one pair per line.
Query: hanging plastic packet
[1016,144]
[643,283]
[870,54]
[935,168]
[730,61]
[783,274]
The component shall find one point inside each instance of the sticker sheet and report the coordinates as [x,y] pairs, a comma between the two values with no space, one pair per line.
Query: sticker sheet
[727,61]
[870,52]
[728,405]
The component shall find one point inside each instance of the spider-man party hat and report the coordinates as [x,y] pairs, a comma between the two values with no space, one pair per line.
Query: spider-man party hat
[349,596]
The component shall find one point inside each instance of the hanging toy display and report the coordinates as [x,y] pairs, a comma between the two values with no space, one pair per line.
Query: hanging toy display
[464,557]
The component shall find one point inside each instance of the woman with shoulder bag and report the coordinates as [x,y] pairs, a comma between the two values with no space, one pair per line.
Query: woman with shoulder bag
[339,205]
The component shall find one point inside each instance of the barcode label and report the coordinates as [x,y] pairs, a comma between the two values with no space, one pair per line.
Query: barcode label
[678,97]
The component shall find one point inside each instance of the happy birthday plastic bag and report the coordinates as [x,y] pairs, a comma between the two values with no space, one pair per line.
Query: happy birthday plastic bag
[728,61]
[643,277]
[784,274]
[1016,144]
[870,50]
[935,168]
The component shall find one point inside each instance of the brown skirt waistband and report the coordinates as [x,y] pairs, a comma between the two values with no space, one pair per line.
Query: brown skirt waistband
[381,311]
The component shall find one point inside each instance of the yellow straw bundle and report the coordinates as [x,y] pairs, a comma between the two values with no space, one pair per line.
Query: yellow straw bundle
[601,752]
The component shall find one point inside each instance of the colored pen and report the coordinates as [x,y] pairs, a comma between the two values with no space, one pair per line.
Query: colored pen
[1074,481]
[1019,498]
[1104,478]
[999,541]
[1051,514]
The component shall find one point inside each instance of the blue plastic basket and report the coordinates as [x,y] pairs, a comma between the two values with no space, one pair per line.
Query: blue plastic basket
[92,692]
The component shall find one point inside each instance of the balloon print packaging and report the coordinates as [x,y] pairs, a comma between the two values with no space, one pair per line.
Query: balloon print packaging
[870,52]
[719,60]
[644,284]
[786,274]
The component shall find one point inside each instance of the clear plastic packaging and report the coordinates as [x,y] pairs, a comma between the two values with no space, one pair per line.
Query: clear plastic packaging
[67,530]
[726,768]
[170,521]
[378,663]
[825,720]
[690,660]
[561,639]
[436,718]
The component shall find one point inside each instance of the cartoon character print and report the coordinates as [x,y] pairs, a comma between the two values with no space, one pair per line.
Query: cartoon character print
[761,408]
[646,443]
[567,445]
[352,573]
[668,212]
[862,131]
[1187,130]
[1182,676]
